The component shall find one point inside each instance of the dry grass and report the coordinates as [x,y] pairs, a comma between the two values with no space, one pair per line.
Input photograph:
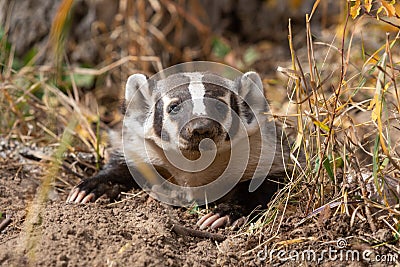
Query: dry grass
[344,96]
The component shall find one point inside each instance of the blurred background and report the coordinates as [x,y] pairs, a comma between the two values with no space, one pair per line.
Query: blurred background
[105,41]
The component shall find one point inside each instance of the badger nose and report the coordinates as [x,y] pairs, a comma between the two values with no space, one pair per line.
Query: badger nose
[202,127]
[200,130]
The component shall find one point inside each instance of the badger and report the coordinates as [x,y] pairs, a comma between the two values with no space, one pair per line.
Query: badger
[216,127]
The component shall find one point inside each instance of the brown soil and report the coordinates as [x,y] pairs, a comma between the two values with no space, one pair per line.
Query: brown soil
[138,231]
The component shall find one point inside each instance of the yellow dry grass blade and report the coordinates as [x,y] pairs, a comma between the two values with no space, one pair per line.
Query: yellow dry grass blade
[314,8]
[377,103]
[58,25]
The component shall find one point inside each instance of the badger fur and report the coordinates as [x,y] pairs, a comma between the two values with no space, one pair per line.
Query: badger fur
[179,116]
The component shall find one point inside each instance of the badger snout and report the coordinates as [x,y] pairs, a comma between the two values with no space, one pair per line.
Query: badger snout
[200,128]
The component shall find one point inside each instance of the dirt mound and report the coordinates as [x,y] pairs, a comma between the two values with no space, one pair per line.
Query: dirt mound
[137,231]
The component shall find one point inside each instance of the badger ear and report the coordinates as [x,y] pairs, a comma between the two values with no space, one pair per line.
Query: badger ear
[137,89]
[251,91]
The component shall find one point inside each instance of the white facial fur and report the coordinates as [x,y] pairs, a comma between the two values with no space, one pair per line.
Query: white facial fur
[197,92]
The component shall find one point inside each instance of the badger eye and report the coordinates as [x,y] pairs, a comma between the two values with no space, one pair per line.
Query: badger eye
[174,109]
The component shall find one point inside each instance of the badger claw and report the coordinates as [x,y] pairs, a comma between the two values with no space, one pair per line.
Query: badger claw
[88,191]
[220,222]
[72,195]
[204,218]
[80,196]
[215,221]
[89,198]
[208,220]
[223,216]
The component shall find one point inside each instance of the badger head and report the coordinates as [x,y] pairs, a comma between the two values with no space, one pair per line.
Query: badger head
[185,109]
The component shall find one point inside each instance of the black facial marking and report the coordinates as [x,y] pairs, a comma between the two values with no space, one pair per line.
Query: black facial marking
[181,92]
[245,108]
[216,108]
[215,90]
[165,136]
[123,106]
[234,103]
[215,85]
[235,116]
[158,117]
[176,86]
[248,114]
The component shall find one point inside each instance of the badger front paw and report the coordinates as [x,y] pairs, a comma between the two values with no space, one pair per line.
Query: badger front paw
[86,191]
[224,215]
[111,181]
[91,189]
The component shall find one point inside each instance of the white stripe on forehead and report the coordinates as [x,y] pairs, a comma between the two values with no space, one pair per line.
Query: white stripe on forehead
[197,92]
